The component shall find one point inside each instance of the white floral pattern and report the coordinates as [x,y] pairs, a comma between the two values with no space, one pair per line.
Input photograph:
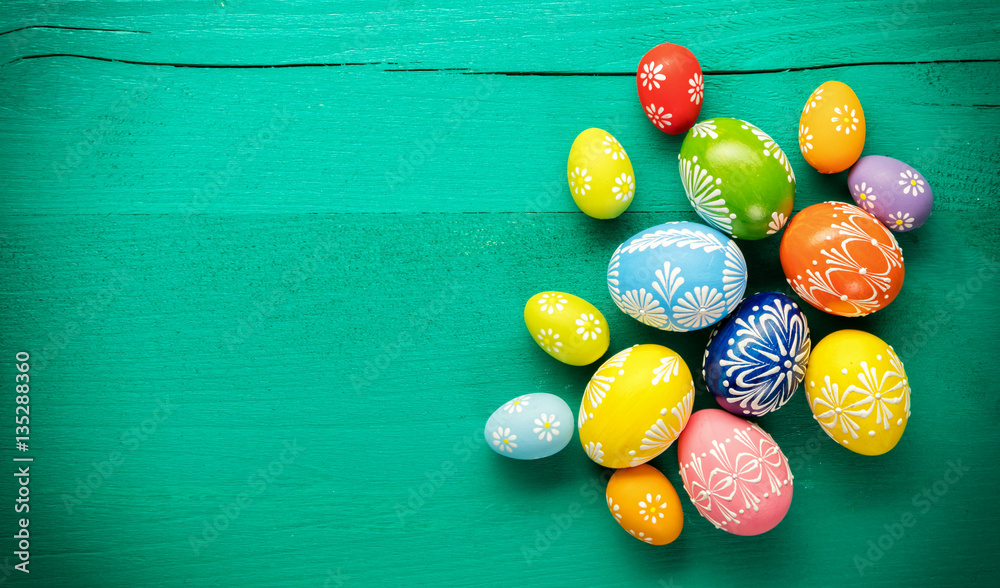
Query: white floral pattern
[651,76]
[846,119]
[699,308]
[669,366]
[900,221]
[600,384]
[594,452]
[864,197]
[705,194]
[503,440]
[697,89]
[549,340]
[658,116]
[771,149]
[815,98]
[912,183]
[706,128]
[517,404]
[876,394]
[614,508]
[547,426]
[588,327]
[662,434]
[652,508]
[643,307]
[777,221]
[580,180]
[624,188]
[613,148]
[804,139]
[551,302]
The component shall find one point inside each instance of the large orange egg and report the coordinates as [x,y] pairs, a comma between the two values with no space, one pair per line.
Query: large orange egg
[841,259]
[832,128]
[645,504]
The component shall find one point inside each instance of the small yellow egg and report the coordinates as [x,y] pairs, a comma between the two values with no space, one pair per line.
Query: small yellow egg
[567,327]
[832,128]
[600,174]
[858,391]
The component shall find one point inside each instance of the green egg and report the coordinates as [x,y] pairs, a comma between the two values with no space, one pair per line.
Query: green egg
[737,178]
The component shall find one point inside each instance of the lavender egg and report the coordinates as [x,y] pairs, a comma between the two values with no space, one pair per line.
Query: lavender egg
[893,192]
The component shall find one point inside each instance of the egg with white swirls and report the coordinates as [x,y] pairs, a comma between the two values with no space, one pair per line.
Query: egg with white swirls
[531,426]
[678,276]
[734,473]
[756,358]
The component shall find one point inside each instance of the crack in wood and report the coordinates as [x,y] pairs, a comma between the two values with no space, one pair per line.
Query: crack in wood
[72,29]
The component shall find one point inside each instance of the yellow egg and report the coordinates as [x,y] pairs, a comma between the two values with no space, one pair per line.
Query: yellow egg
[832,128]
[567,327]
[600,174]
[858,392]
[635,406]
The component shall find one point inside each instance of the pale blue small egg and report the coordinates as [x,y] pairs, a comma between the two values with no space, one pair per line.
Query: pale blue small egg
[530,426]
[757,357]
[679,276]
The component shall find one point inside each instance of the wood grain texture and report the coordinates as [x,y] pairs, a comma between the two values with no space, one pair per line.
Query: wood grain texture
[221,271]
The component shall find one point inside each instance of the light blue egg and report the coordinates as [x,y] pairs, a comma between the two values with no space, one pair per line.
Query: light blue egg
[679,276]
[756,358]
[531,426]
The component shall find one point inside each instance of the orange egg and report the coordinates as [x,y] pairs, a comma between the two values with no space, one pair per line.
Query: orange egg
[645,504]
[832,128]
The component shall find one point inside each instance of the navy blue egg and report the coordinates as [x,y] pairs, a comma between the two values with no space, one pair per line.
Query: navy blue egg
[756,358]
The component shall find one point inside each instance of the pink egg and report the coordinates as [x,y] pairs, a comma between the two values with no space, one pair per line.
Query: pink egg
[734,472]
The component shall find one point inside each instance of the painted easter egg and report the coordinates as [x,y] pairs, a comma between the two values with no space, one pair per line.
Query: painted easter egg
[858,392]
[671,87]
[737,178]
[735,474]
[756,358]
[832,128]
[635,406]
[841,260]
[567,327]
[645,504]
[891,191]
[678,276]
[530,426]
[600,174]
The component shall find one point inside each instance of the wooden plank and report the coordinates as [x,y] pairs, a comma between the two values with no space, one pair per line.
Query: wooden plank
[509,35]
[97,138]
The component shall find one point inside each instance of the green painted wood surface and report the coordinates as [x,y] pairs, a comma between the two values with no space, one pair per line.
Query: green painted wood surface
[207,264]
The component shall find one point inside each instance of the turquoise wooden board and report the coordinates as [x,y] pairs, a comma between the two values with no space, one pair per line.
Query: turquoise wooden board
[263,350]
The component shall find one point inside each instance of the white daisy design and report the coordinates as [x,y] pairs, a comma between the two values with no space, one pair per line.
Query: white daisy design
[697,89]
[913,183]
[613,148]
[614,508]
[579,179]
[699,308]
[804,137]
[658,116]
[652,509]
[777,221]
[704,129]
[642,536]
[549,341]
[846,119]
[624,188]
[503,440]
[901,221]
[594,452]
[517,404]
[643,307]
[651,76]
[863,195]
[588,326]
[547,427]
[551,302]
[811,102]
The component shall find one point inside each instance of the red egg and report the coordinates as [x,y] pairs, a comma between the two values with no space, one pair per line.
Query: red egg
[671,87]
[841,259]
